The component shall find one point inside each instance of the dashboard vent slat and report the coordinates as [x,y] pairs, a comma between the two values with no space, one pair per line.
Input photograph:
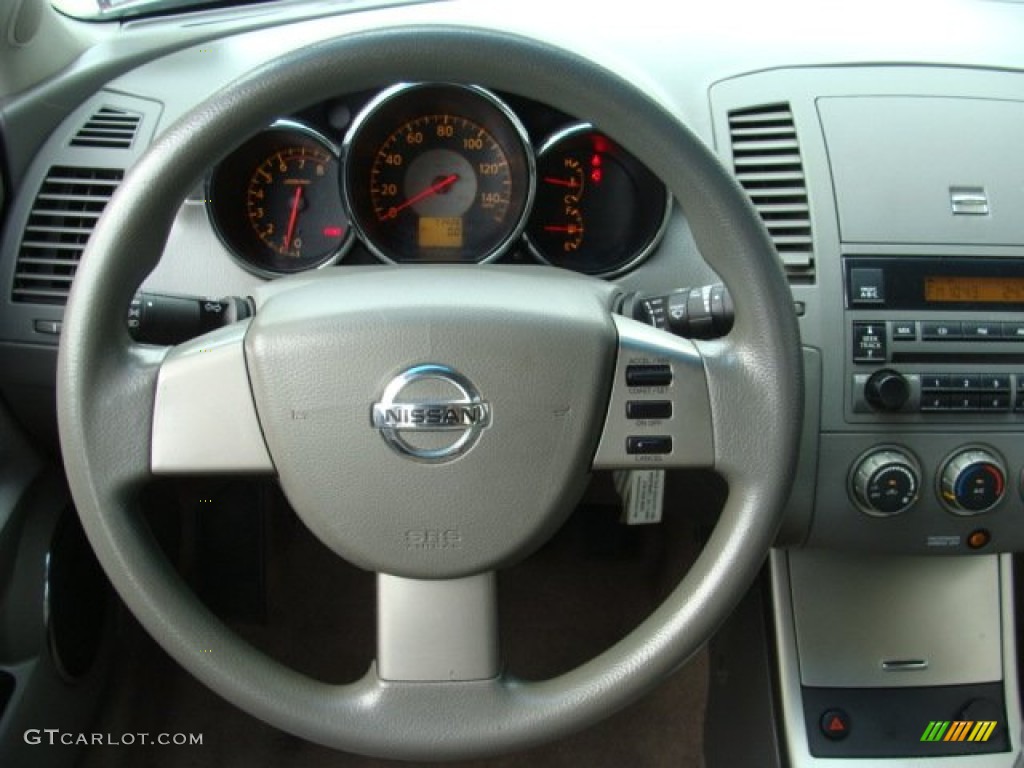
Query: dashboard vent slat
[768,165]
[62,218]
[109,128]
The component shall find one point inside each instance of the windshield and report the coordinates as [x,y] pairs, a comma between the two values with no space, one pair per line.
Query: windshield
[118,9]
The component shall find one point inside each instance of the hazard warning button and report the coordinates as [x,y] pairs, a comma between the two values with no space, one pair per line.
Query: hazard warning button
[835,724]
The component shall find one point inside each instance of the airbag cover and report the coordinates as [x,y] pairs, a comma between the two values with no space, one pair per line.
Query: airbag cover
[511,369]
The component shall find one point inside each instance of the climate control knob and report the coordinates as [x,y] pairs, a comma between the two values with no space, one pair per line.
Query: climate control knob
[885,482]
[972,481]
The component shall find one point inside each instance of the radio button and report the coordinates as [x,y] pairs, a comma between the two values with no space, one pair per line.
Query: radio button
[994,383]
[934,381]
[906,331]
[995,402]
[942,331]
[867,286]
[964,382]
[964,402]
[935,402]
[983,331]
[869,343]
[1013,331]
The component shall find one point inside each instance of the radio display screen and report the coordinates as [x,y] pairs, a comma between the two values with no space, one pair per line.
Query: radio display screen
[976,290]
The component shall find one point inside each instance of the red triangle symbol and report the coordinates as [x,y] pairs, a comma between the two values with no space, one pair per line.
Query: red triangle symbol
[835,724]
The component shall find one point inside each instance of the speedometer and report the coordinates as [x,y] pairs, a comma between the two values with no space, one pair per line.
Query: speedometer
[438,173]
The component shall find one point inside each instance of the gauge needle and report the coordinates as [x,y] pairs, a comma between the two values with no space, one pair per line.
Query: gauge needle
[553,228]
[560,182]
[292,218]
[433,189]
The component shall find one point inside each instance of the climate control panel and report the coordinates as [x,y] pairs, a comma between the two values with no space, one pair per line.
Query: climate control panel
[943,492]
[972,482]
[885,482]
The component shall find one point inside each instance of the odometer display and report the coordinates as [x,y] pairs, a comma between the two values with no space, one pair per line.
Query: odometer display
[438,173]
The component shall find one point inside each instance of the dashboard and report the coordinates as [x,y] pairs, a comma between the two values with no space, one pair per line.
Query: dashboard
[901,253]
[879,145]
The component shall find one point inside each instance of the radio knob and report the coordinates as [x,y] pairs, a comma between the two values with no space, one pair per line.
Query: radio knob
[972,482]
[887,390]
[885,482]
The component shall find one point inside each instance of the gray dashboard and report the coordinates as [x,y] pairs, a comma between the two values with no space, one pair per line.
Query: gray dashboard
[857,154]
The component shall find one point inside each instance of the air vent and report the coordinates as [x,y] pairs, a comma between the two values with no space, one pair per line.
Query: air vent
[62,219]
[109,128]
[766,157]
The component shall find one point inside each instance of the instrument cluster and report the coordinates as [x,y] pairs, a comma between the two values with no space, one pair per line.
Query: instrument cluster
[435,173]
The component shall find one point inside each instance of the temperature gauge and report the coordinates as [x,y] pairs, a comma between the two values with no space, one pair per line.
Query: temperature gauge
[597,210]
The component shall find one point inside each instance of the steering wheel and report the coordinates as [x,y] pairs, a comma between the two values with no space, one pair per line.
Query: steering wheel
[531,368]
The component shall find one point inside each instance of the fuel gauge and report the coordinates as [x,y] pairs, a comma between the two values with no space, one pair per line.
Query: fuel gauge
[597,209]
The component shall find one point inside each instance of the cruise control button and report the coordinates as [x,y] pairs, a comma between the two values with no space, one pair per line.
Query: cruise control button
[648,444]
[649,409]
[648,375]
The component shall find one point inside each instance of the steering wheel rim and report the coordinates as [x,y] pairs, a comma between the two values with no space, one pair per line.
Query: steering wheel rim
[106,386]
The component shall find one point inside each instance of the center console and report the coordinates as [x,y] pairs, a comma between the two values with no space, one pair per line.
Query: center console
[892,596]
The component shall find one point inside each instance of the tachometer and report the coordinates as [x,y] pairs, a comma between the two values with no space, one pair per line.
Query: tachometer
[275,201]
[438,173]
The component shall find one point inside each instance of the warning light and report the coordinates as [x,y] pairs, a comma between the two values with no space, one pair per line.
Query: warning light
[595,161]
[979,539]
[596,175]
[332,231]
[836,724]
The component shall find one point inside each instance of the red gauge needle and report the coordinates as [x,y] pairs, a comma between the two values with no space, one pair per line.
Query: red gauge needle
[570,228]
[292,218]
[560,182]
[433,189]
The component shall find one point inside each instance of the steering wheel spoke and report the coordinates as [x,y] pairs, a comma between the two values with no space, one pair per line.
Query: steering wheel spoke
[659,413]
[204,419]
[437,630]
